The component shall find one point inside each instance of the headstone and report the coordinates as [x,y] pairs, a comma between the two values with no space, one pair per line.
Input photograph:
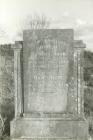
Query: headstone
[48,68]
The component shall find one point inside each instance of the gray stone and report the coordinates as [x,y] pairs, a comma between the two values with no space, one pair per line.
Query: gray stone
[48,69]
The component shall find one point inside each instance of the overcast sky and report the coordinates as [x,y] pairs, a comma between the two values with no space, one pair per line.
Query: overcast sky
[76,14]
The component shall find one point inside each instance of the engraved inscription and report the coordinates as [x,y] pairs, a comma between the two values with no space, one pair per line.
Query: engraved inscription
[47,70]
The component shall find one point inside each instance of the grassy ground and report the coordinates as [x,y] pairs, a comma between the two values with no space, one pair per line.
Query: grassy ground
[5,138]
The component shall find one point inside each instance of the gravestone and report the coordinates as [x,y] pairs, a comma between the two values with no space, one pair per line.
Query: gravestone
[48,74]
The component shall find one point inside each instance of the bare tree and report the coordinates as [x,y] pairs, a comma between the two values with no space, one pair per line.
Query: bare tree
[34,22]
[39,22]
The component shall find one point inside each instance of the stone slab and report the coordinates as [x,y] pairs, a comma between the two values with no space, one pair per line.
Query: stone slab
[47,139]
[46,58]
[49,128]
[48,77]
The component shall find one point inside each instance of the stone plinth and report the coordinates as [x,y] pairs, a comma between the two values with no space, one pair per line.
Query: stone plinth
[48,70]
[50,128]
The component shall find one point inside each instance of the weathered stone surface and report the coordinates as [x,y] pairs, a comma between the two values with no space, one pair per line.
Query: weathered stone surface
[46,70]
[51,96]
[50,128]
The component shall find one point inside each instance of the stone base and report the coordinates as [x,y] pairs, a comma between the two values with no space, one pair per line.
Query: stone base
[49,128]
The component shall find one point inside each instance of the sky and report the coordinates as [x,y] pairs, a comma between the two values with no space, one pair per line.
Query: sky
[76,14]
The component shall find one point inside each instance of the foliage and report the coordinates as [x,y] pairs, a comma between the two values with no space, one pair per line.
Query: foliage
[5,137]
[88,92]
[88,69]
[88,77]
[7,112]
[6,93]
[88,104]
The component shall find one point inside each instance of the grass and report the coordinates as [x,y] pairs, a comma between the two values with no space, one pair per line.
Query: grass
[5,138]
